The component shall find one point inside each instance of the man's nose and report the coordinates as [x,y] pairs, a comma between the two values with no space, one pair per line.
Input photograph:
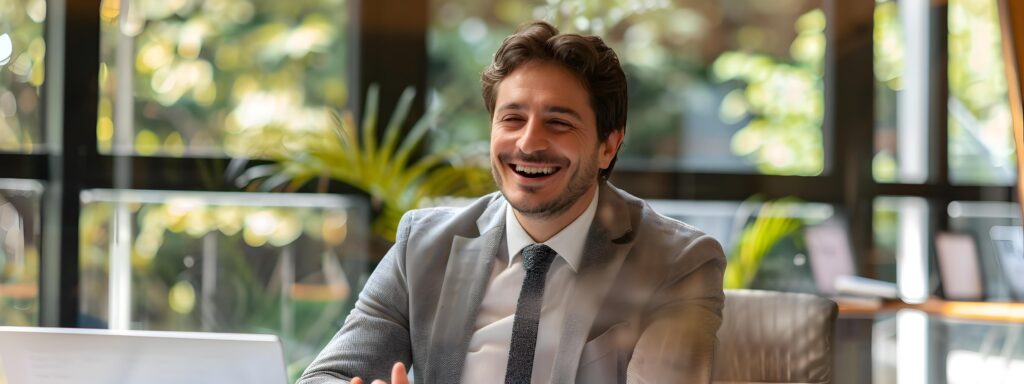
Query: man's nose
[534,137]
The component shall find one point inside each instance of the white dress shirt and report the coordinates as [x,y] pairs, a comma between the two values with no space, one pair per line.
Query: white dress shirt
[487,356]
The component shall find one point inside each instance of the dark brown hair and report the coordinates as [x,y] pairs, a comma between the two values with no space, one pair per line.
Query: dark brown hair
[595,65]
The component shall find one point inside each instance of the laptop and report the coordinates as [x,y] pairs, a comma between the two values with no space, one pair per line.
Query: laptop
[30,355]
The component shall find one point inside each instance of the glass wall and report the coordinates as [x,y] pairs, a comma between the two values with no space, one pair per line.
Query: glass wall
[766,243]
[903,244]
[216,78]
[22,73]
[20,202]
[889,51]
[980,140]
[981,149]
[285,264]
[731,108]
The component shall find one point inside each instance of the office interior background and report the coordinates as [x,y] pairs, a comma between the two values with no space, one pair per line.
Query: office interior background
[240,165]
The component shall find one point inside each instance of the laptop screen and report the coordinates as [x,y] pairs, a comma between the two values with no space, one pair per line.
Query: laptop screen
[90,356]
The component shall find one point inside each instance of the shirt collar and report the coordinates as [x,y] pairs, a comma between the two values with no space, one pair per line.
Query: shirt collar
[568,242]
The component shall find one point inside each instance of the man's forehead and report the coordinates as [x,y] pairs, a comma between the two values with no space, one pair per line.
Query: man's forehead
[547,87]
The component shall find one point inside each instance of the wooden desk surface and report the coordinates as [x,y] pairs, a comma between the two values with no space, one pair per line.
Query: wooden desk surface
[966,310]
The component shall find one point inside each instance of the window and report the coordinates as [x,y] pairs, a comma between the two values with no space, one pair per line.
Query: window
[981,149]
[218,78]
[286,264]
[772,233]
[731,86]
[22,73]
[19,251]
[901,235]
[889,51]
[980,146]
[818,103]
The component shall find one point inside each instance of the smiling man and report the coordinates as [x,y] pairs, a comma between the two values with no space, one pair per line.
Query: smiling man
[558,278]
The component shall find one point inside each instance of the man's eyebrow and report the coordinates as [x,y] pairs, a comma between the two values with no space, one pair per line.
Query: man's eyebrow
[515,106]
[565,110]
[552,109]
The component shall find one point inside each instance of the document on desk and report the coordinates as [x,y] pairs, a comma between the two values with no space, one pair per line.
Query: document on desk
[79,356]
[1009,243]
[831,258]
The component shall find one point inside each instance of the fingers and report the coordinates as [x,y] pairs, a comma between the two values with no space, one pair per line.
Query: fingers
[398,374]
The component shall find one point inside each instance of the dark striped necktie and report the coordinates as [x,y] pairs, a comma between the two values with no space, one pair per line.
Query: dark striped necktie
[536,260]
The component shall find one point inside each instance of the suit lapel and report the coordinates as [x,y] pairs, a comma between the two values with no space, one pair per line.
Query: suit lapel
[465,282]
[608,243]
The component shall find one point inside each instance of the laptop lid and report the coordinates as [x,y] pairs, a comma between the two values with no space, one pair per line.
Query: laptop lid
[31,355]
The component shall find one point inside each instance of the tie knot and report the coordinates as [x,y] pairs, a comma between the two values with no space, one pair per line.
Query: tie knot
[537,257]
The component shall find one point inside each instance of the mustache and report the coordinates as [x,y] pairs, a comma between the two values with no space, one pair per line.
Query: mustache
[536,157]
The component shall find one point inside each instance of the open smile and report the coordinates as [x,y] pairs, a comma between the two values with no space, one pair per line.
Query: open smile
[534,171]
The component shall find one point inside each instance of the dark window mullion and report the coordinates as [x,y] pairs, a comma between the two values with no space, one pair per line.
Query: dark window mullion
[388,45]
[75,166]
[24,166]
[938,135]
[726,186]
[849,114]
[945,192]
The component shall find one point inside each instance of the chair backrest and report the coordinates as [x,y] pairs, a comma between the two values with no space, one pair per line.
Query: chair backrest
[775,337]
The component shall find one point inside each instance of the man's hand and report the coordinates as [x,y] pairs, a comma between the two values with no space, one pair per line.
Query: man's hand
[398,376]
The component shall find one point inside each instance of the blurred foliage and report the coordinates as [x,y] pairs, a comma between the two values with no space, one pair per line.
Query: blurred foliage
[773,222]
[981,149]
[391,172]
[220,77]
[19,257]
[888,45]
[172,239]
[667,49]
[784,101]
[22,72]
[885,231]
[888,69]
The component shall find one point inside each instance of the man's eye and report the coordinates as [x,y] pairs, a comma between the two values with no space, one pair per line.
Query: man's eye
[512,118]
[562,123]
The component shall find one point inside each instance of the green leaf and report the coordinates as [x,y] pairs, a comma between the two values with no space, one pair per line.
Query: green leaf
[389,173]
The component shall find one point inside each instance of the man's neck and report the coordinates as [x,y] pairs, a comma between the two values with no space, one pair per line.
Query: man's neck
[543,228]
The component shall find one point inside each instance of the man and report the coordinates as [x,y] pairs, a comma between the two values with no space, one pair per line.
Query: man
[613,292]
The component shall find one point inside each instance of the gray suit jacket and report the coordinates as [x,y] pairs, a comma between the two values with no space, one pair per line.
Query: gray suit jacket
[648,299]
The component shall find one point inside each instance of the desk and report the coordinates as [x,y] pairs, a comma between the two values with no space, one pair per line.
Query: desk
[963,310]
[933,342]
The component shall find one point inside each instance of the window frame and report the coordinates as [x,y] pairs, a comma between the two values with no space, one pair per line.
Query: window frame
[70,99]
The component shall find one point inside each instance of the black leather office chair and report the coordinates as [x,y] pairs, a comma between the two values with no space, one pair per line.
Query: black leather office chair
[775,337]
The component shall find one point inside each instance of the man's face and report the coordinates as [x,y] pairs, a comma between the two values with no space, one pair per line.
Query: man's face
[545,153]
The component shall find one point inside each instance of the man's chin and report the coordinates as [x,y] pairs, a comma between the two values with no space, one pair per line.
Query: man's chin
[530,206]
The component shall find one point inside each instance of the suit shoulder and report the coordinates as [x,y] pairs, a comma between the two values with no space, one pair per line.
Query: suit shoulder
[452,220]
[667,227]
[675,240]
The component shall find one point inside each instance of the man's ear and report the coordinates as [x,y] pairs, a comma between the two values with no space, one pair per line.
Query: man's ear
[610,147]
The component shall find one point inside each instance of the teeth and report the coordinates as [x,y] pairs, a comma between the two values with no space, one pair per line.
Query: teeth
[534,170]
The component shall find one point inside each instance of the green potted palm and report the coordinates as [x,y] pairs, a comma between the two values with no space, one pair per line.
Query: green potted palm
[386,167]
[773,223]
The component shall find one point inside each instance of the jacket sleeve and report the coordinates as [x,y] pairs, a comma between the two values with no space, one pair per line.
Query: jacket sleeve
[677,343]
[376,332]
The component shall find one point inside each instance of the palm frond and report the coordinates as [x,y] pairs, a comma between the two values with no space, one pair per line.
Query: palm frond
[773,223]
[388,171]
